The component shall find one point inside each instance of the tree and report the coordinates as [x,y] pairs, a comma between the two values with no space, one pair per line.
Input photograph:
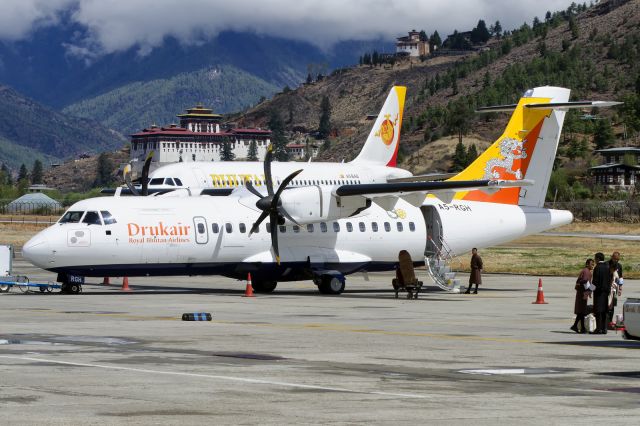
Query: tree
[5,175]
[573,27]
[480,34]
[23,173]
[227,152]
[459,158]
[104,170]
[472,154]
[497,29]
[434,40]
[603,136]
[36,172]
[324,128]
[423,36]
[253,152]
[278,138]
[310,78]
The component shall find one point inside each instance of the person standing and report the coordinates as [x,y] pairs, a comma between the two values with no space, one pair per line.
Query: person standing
[615,260]
[582,294]
[476,271]
[602,281]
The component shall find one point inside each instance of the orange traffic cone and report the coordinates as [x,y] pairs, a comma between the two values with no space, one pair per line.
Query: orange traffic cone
[540,296]
[249,290]
[105,281]
[125,284]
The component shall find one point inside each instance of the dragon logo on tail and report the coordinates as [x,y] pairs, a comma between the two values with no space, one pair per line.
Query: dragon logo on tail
[506,167]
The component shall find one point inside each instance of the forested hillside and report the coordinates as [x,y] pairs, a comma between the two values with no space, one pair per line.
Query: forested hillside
[137,105]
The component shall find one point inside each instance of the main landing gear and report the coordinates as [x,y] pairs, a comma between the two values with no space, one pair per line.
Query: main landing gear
[263,286]
[328,284]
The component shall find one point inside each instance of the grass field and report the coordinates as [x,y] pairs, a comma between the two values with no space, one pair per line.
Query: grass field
[535,255]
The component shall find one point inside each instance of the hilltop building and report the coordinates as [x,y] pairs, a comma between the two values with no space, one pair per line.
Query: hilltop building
[620,169]
[199,137]
[411,45]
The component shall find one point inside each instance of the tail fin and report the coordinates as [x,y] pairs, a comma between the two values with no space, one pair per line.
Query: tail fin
[381,147]
[526,149]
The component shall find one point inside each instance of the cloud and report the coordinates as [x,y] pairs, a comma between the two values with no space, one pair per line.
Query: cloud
[115,25]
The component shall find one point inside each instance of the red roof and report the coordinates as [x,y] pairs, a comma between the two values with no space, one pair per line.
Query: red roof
[177,132]
[261,131]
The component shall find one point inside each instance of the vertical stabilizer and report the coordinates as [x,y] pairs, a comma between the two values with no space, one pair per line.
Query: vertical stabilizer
[526,150]
[381,147]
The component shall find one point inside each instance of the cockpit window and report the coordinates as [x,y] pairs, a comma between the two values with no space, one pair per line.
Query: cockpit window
[92,218]
[71,217]
[178,181]
[168,181]
[108,219]
[156,181]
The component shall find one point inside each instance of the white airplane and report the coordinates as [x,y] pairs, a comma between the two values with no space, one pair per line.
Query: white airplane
[375,164]
[325,232]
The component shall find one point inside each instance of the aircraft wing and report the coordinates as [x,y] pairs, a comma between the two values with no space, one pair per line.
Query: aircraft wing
[414,192]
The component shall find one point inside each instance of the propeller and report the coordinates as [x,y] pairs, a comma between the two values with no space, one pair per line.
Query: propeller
[270,204]
[126,173]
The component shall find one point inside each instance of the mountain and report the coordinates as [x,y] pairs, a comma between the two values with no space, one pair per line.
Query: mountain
[137,105]
[29,130]
[51,68]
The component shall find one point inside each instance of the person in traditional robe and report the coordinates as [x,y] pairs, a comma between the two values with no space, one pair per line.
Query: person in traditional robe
[602,281]
[582,296]
[476,271]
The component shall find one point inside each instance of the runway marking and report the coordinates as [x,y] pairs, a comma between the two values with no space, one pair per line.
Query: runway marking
[219,377]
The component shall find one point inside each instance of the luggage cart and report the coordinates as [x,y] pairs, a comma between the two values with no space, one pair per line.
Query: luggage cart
[24,285]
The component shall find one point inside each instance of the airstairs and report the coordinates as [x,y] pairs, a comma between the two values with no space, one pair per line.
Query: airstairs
[438,262]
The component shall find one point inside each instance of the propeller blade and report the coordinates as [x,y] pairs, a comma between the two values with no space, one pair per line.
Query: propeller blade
[286,214]
[267,169]
[145,174]
[273,217]
[126,174]
[257,223]
[252,189]
[284,184]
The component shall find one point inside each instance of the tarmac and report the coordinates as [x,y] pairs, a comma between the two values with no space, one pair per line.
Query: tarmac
[297,357]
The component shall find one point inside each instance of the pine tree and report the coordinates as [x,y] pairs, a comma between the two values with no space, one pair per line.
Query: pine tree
[4,173]
[310,79]
[573,27]
[497,29]
[459,158]
[603,136]
[423,36]
[23,173]
[227,152]
[7,176]
[253,152]
[472,154]
[104,170]
[434,40]
[36,172]
[278,138]
[324,128]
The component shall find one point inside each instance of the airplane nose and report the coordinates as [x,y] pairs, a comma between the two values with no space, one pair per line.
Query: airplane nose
[37,251]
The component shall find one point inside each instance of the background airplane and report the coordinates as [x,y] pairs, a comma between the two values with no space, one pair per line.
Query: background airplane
[321,232]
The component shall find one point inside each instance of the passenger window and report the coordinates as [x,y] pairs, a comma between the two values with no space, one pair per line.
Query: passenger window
[412,226]
[296,229]
[201,228]
[349,227]
[215,228]
[71,217]
[178,181]
[168,181]
[387,226]
[310,227]
[336,227]
[374,226]
[92,218]
[228,227]
[107,218]
[323,227]
[362,227]
[243,228]
[283,229]
[399,225]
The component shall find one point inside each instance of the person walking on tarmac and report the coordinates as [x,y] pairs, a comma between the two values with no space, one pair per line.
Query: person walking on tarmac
[619,281]
[476,271]
[602,281]
[582,294]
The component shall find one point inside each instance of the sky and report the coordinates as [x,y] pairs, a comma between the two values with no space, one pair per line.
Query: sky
[116,25]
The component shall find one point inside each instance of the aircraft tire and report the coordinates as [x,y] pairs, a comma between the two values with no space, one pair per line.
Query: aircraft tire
[331,285]
[264,286]
[4,288]
[74,288]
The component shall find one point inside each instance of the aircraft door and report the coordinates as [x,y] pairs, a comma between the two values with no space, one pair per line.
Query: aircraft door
[433,245]
[201,179]
[201,230]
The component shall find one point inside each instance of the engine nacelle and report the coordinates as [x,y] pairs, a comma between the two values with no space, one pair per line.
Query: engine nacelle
[312,204]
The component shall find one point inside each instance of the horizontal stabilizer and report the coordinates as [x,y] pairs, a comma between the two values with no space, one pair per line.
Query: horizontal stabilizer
[423,178]
[551,105]
[380,189]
